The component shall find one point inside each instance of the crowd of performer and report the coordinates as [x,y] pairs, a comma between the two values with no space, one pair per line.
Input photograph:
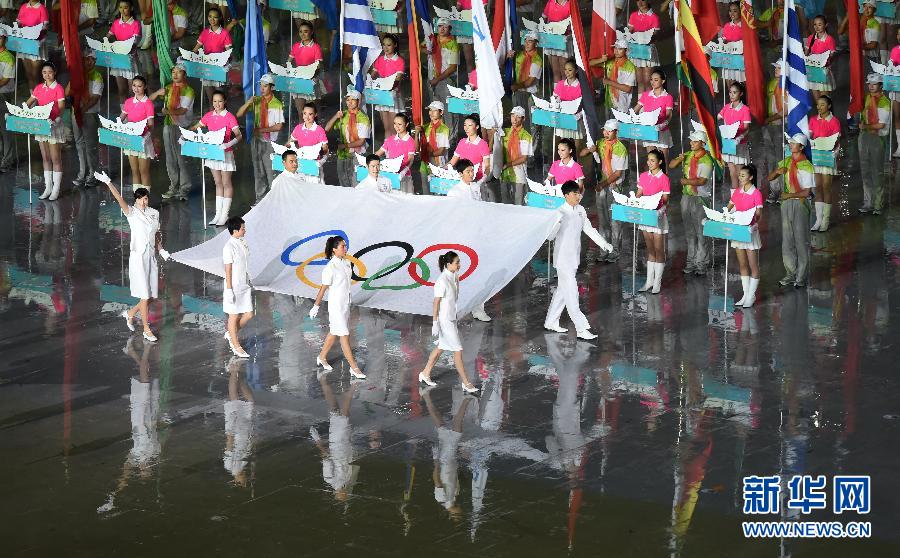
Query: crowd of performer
[758,171]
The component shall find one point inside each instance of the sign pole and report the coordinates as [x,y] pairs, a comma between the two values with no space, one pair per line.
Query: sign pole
[633,259]
[122,172]
[727,249]
[28,146]
[203,188]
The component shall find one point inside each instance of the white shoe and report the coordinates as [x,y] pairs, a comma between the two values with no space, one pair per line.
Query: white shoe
[48,185]
[215,218]
[238,352]
[57,184]
[465,388]
[427,381]
[481,315]
[751,296]
[651,272]
[129,321]
[555,327]
[357,374]
[657,277]
[324,364]
[226,207]
[150,337]
[585,334]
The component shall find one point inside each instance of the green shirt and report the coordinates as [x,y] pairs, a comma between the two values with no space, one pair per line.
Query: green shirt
[363,129]
[704,170]
[516,174]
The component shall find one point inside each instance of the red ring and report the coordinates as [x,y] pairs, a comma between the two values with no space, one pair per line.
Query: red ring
[473,259]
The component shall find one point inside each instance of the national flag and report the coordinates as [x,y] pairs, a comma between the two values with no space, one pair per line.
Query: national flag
[69,10]
[333,22]
[697,76]
[603,32]
[857,70]
[588,108]
[706,17]
[163,36]
[793,74]
[755,81]
[255,62]
[358,30]
[490,85]
[416,10]
[503,32]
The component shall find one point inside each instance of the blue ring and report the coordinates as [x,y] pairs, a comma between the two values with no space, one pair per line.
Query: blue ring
[285,256]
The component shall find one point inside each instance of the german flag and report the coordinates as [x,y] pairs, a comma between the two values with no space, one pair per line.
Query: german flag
[695,68]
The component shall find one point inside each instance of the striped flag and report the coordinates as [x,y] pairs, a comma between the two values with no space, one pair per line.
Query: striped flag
[793,74]
[358,30]
[490,84]
[416,10]
[696,75]
[588,108]
[603,32]
[503,32]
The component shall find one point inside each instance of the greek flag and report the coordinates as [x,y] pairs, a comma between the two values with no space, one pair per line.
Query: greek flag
[794,74]
[358,30]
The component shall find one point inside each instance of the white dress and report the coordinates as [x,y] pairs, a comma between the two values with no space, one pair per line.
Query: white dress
[237,254]
[337,275]
[447,289]
[143,274]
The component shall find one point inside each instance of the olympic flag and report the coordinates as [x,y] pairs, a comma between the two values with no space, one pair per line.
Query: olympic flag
[394,244]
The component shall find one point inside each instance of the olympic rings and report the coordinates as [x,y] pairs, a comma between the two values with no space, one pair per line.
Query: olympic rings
[372,247]
[473,258]
[302,275]
[286,255]
[394,267]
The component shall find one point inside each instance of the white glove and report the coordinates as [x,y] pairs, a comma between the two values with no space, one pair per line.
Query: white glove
[164,254]
[228,296]
[314,311]
[103,177]
[435,328]
[228,144]
[606,246]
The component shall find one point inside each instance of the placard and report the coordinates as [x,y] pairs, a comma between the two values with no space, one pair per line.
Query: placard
[304,166]
[392,177]
[638,51]
[458,28]
[298,86]
[121,140]
[636,215]
[638,132]
[726,231]
[456,105]
[387,18]
[726,60]
[33,126]
[305,6]
[820,158]
[553,119]
[23,45]
[884,9]
[815,74]
[440,186]
[543,201]
[891,82]
[203,151]
[383,97]
[205,71]
[729,146]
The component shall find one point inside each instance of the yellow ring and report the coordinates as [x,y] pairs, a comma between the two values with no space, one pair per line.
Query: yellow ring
[301,275]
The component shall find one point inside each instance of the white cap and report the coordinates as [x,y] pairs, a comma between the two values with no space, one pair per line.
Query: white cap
[442,21]
[353,94]
[621,43]
[697,135]
[531,36]
[436,105]
[870,3]
[612,124]
[873,78]
[777,63]
[267,78]
[518,111]
[799,138]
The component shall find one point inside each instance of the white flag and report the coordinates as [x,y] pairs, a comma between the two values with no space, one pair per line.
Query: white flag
[490,84]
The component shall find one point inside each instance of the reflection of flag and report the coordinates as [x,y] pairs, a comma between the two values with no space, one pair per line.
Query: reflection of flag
[163,36]
[588,109]
[756,85]
[794,74]
[695,68]
[358,30]
[69,10]
[603,32]
[329,10]
[255,63]
[856,58]
[706,16]
[416,10]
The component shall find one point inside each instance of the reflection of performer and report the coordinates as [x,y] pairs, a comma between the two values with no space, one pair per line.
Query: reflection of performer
[337,458]
[566,257]
[567,438]
[239,414]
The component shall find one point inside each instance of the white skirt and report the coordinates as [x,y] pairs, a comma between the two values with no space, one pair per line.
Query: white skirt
[448,336]
[243,300]
[741,158]
[57,133]
[652,63]
[734,75]
[226,165]
[664,140]
[127,74]
[663,227]
[143,274]
[754,244]
[339,318]
[399,106]
[828,85]
[571,134]
[149,151]
[894,96]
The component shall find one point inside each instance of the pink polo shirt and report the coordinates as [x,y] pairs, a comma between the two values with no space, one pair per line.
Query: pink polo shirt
[124,31]
[395,146]
[30,16]
[750,199]
[732,32]
[214,41]
[643,21]
[563,173]
[650,184]
[818,46]
[651,102]
[554,11]
[307,137]
[895,55]
[566,91]
[139,110]
[216,121]
[473,79]
[824,127]
[387,67]
[52,94]
[473,151]
[306,54]
[730,115]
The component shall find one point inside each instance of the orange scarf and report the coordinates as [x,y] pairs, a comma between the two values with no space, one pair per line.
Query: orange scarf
[617,63]
[779,97]
[514,147]
[263,112]
[872,109]
[525,68]
[352,128]
[429,146]
[174,97]
[607,158]
[436,54]
[695,161]
[793,172]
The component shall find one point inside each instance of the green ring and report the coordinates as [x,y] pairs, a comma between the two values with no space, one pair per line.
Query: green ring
[426,273]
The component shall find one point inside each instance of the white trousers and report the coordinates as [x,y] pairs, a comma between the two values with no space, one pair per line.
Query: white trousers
[566,296]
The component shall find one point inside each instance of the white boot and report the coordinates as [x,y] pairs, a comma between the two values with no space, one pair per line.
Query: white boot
[745,283]
[57,182]
[657,277]
[826,217]
[751,296]
[897,151]
[651,271]
[146,36]
[48,184]
[226,207]
[215,218]
[818,222]
[135,186]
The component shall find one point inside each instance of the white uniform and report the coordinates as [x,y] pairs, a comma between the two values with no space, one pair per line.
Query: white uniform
[337,468]
[288,178]
[236,253]
[143,274]
[468,191]
[371,184]
[566,257]
[337,275]
[238,423]
[447,289]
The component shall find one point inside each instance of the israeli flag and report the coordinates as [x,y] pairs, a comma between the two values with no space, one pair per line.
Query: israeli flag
[793,75]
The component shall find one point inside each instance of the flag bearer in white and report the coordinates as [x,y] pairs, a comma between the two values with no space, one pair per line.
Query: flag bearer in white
[237,298]
[373,182]
[468,189]
[566,257]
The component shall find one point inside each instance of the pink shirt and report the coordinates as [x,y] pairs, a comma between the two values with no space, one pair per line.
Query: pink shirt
[567,92]
[732,32]
[651,102]
[746,200]
[818,46]
[895,55]
[30,16]
[556,12]
[124,31]
[650,185]
[214,41]
[387,67]
[473,79]
[395,146]
[467,4]
[307,137]
[730,115]
[304,55]
[563,173]
[824,127]
[473,151]
[139,110]
[643,21]
[214,121]
[52,94]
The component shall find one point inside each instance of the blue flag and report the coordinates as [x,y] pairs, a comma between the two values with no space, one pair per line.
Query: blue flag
[255,62]
[332,20]
[794,75]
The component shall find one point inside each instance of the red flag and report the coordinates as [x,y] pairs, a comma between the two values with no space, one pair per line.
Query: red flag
[603,32]
[857,96]
[696,75]
[69,10]
[755,82]
[706,16]
[415,62]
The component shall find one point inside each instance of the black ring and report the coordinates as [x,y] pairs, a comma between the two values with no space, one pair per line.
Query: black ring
[398,243]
